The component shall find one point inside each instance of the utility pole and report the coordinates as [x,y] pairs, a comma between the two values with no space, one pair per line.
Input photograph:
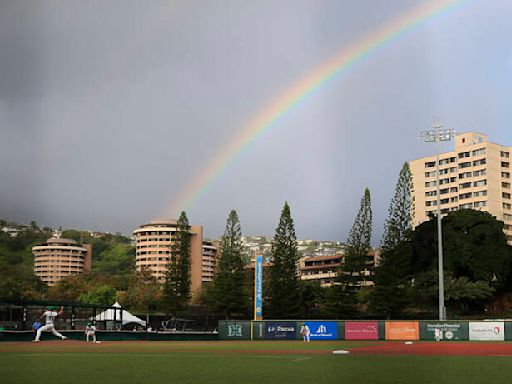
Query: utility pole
[438,134]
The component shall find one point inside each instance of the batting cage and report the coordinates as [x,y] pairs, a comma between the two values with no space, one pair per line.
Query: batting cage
[23,315]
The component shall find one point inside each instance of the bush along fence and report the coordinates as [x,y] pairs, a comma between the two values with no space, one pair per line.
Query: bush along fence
[450,330]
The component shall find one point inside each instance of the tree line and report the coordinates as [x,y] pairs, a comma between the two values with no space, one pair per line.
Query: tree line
[404,282]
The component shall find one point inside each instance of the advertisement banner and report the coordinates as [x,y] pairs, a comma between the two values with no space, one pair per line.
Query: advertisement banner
[450,330]
[361,330]
[258,288]
[402,330]
[239,330]
[323,330]
[283,330]
[487,330]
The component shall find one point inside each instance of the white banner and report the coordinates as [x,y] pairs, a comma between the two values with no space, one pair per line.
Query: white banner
[487,330]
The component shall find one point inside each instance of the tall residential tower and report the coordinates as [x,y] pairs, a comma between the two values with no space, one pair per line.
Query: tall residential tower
[476,175]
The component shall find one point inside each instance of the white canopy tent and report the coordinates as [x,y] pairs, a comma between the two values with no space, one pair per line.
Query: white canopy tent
[112,314]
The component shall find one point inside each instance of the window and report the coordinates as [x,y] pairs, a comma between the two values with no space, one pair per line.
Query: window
[465,196]
[463,155]
[429,184]
[505,154]
[505,175]
[445,201]
[429,203]
[480,193]
[431,193]
[430,174]
[444,171]
[478,152]
[465,164]
[505,164]
[430,164]
[444,191]
[466,206]
[479,204]
[507,217]
[444,161]
[453,189]
[453,169]
[476,163]
[481,172]
[507,206]
[444,181]
[505,185]
[454,199]
[505,195]
[480,183]
[465,175]
[465,185]
[453,159]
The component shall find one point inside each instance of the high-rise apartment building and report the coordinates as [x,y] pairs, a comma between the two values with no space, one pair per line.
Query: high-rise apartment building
[476,175]
[59,258]
[209,262]
[154,241]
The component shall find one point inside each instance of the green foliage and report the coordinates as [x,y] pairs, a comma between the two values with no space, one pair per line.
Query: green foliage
[477,260]
[176,290]
[393,275]
[227,294]
[102,294]
[284,299]
[143,293]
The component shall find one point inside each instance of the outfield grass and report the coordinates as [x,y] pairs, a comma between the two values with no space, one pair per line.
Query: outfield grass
[217,362]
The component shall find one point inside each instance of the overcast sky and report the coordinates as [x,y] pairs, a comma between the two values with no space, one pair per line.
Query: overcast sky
[109,109]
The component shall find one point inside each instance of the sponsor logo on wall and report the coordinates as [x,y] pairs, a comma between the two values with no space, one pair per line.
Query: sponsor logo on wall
[487,330]
[361,330]
[323,330]
[402,330]
[234,330]
[281,330]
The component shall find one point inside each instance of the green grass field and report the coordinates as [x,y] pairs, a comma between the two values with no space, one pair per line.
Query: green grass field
[234,362]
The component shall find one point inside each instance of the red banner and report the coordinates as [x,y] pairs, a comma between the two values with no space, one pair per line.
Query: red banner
[361,330]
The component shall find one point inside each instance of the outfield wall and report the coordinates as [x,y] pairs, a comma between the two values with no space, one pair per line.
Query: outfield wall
[451,330]
[113,336]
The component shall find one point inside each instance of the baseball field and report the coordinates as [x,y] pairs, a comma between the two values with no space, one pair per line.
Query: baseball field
[247,362]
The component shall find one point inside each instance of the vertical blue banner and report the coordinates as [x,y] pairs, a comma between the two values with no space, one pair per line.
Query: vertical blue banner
[258,288]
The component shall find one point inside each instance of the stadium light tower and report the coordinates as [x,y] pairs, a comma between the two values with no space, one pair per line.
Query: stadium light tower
[437,134]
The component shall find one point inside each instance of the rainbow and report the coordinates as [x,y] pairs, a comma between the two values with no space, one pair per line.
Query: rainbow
[270,116]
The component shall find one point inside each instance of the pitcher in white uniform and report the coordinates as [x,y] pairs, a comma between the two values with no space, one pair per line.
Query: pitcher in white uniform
[49,326]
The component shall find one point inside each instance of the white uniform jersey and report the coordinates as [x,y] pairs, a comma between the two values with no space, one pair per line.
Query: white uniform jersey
[90,328]
[50,317]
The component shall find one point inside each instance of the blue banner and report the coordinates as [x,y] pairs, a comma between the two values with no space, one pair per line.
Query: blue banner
[323,330]
[281,330]
[258,288]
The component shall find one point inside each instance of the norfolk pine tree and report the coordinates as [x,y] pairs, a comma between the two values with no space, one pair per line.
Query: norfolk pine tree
[228,293]
[392,276]
[177,279]
[284,285]
[341,297]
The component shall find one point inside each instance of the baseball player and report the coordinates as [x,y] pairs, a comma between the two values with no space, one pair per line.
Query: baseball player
[90,331]
[49,326]
[305,332]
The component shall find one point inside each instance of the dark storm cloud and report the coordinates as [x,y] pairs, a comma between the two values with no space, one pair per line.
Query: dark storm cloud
[109,109]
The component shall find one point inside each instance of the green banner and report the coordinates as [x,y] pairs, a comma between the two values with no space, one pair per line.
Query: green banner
[234,330]
[449,330]
[341,330]
[258,330]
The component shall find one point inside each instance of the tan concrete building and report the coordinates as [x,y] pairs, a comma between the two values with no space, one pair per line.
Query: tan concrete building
[153,243]
[476,175]
[209,262]
[58,258]
[323,268]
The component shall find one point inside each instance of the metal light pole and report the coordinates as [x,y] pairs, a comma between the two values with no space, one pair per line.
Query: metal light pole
[437,134]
